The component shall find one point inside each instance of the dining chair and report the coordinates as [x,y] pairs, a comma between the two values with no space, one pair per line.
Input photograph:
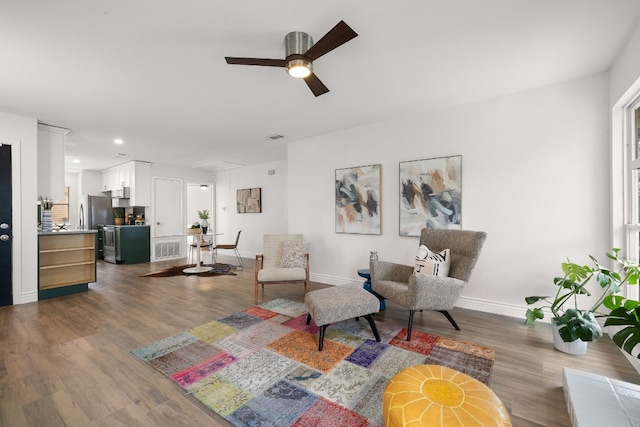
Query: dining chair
[206,244]
[234,247]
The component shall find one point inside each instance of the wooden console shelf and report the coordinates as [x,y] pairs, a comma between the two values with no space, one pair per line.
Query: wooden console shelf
[67,263]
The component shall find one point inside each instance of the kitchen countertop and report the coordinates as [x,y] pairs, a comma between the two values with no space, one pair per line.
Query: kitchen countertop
[127,225]
[48,233]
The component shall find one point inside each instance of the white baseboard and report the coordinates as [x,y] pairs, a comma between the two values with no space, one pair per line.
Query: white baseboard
[487,306]
[26,297]
[494,307]
[333,280]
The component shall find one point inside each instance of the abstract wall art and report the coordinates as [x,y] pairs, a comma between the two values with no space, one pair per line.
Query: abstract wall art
[249,200]
[430,194]
[358,200]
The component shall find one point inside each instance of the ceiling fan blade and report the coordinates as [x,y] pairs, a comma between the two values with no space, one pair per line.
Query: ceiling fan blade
[316,86]
[337,36]
[256,61]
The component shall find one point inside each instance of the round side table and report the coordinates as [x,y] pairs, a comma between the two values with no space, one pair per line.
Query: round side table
[367,285]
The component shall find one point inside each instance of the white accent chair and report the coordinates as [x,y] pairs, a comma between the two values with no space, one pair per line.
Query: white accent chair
[267,266]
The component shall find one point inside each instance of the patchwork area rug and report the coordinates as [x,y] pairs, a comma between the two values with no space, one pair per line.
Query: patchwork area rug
[262,367]
[218,269]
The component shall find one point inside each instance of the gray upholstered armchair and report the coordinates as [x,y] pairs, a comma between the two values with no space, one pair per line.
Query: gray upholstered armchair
[417,291]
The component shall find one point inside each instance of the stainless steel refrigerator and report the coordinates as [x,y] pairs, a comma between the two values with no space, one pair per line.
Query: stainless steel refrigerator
[95,211]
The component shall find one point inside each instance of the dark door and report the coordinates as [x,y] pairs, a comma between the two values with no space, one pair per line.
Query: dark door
[6,287]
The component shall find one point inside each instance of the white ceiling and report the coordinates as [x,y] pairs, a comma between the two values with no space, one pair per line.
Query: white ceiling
[153,71]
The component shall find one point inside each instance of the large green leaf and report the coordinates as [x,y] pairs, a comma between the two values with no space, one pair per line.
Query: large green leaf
[575,324]
[613,301]
[576,272]
[571,285]
[609,279]
[534,299]
[629,337]
[533,315]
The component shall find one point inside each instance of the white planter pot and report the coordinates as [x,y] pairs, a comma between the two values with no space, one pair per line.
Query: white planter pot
[576,348]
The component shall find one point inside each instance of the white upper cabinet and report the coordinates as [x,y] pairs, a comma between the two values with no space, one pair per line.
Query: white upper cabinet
[135,175]
[51,161]
[140,184]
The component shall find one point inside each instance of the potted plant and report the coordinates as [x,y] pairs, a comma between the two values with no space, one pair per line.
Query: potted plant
[204,216]
[573,326]
[118,217]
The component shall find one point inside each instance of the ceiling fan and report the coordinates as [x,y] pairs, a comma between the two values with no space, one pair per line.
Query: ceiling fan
[300,52]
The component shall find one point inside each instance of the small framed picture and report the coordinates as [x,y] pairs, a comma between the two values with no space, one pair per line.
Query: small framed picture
[249,200]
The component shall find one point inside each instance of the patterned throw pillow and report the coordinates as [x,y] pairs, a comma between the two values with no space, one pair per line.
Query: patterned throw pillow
[294,254]
[428,262]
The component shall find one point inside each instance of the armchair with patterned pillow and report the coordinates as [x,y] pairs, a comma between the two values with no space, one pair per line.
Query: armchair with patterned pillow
[444,263]
[285,259]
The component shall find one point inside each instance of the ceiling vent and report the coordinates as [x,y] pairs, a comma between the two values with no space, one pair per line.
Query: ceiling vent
[120,155]
[274,137]
[219,166]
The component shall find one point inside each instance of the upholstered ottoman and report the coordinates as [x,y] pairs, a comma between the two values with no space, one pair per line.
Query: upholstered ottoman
[432,395]
[338,303]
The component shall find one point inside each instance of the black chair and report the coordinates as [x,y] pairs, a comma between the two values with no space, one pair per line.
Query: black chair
[233,247]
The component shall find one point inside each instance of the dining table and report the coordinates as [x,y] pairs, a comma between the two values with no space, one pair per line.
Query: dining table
[199,268]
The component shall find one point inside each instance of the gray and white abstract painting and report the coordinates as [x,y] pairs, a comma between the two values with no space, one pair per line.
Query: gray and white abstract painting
[430,194]
[358,200]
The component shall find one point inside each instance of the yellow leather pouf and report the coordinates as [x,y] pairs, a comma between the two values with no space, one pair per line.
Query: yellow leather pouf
[432,395]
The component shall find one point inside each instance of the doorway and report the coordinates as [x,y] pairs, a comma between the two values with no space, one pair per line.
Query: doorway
[200,197]
[6,227]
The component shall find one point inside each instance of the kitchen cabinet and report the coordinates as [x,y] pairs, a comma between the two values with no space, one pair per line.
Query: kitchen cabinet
[140,183]
[66,262]
[51,161]
[132,244]
[136,175]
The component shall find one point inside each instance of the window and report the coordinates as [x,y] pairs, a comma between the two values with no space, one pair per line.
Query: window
[632,214]
[60,209]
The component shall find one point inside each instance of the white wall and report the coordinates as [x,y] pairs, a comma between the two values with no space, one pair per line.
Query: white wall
[626,68]
[25,238]
[254,226]
[71,179]
[89,182]
[534,176]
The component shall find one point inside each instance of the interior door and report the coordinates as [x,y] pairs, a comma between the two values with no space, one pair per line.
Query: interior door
[6,227]
[168,207]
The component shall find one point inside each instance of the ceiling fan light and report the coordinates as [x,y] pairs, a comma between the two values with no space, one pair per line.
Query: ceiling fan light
[299,68]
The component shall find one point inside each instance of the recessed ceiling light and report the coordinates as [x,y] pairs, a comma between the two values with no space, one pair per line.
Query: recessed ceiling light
[75,161]
[118,141]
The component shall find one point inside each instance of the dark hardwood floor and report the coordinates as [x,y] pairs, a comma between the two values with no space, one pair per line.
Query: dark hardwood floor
[66,362]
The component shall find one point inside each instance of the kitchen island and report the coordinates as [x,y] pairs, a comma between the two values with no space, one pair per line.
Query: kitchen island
[127,244]
[67,262]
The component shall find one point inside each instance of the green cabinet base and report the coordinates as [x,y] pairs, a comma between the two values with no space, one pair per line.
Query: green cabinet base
[63,290]
[132,244]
